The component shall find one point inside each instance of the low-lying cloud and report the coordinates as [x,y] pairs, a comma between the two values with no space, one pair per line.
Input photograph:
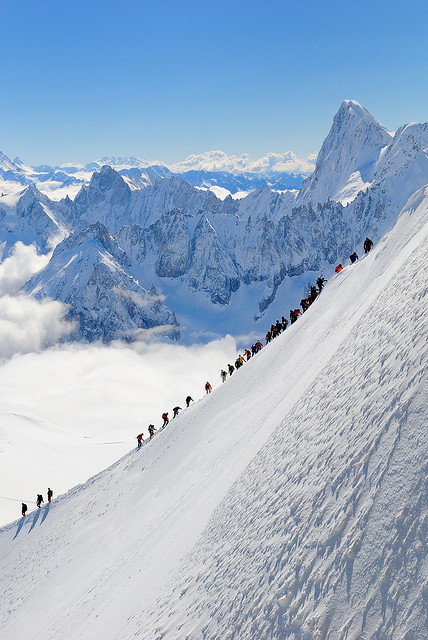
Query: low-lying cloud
[18,268]
[71,410]
[28,325]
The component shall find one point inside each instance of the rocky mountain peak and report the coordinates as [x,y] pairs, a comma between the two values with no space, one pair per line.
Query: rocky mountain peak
[345,164]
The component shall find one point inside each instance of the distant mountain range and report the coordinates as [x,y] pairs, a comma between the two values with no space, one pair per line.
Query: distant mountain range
[140,247]
[215,170]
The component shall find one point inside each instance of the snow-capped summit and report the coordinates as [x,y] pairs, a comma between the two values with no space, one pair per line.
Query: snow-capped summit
[11,172]
[88,271]
[106,198]
[122,162]
[346,162]
[33,219]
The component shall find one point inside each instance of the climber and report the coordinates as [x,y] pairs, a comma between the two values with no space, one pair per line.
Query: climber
[339,268]
[208,387]
[304,303]
[223,375]
[231,368]
[188,401]
[313,294]
[165,419]
[39,500]
[24,509]
[176,410]
[50,495]
[139,439]
[320,283]
[353,257]
[367,245]
[152,430]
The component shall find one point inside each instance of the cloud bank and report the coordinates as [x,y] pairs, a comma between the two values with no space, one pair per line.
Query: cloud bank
[27,324]
[72,410]
[271,163]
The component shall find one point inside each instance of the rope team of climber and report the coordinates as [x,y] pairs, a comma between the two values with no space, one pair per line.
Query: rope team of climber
[273,332]
[278,327]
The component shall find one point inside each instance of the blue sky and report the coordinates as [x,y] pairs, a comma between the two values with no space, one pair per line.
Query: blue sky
[161,80]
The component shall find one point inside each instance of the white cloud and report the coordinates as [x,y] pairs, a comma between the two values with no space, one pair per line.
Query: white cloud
[29,325]
[70,411]
[19,267]
[219,161]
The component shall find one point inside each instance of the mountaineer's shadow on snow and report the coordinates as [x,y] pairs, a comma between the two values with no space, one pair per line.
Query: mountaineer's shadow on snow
[46,510]
[35,518]
[19,527]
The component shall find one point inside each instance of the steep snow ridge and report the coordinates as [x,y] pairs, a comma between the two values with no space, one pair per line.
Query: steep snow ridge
[288,504]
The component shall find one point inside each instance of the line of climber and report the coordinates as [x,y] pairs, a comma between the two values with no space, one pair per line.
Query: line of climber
[165,417]
[281,325]
[354,257]
[273,332]
[39,501]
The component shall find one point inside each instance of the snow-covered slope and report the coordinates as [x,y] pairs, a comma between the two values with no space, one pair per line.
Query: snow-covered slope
[287,504]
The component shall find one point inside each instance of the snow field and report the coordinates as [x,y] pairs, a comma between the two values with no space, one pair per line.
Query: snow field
[286,504]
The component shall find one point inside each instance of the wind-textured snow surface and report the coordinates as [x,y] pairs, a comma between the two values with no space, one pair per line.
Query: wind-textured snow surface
[289,503]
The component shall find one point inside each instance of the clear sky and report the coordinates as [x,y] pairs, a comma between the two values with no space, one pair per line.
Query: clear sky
[163,79]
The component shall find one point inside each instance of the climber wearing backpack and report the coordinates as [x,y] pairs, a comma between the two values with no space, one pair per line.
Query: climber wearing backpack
[188,401]
[176,410]
[151,430]
[165,419]
[304,303]
[353,257]
[208,387]
[223,375]
[313,294]
[139,439]
[367,245]
[24,509]
[339,268]
[320,283]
